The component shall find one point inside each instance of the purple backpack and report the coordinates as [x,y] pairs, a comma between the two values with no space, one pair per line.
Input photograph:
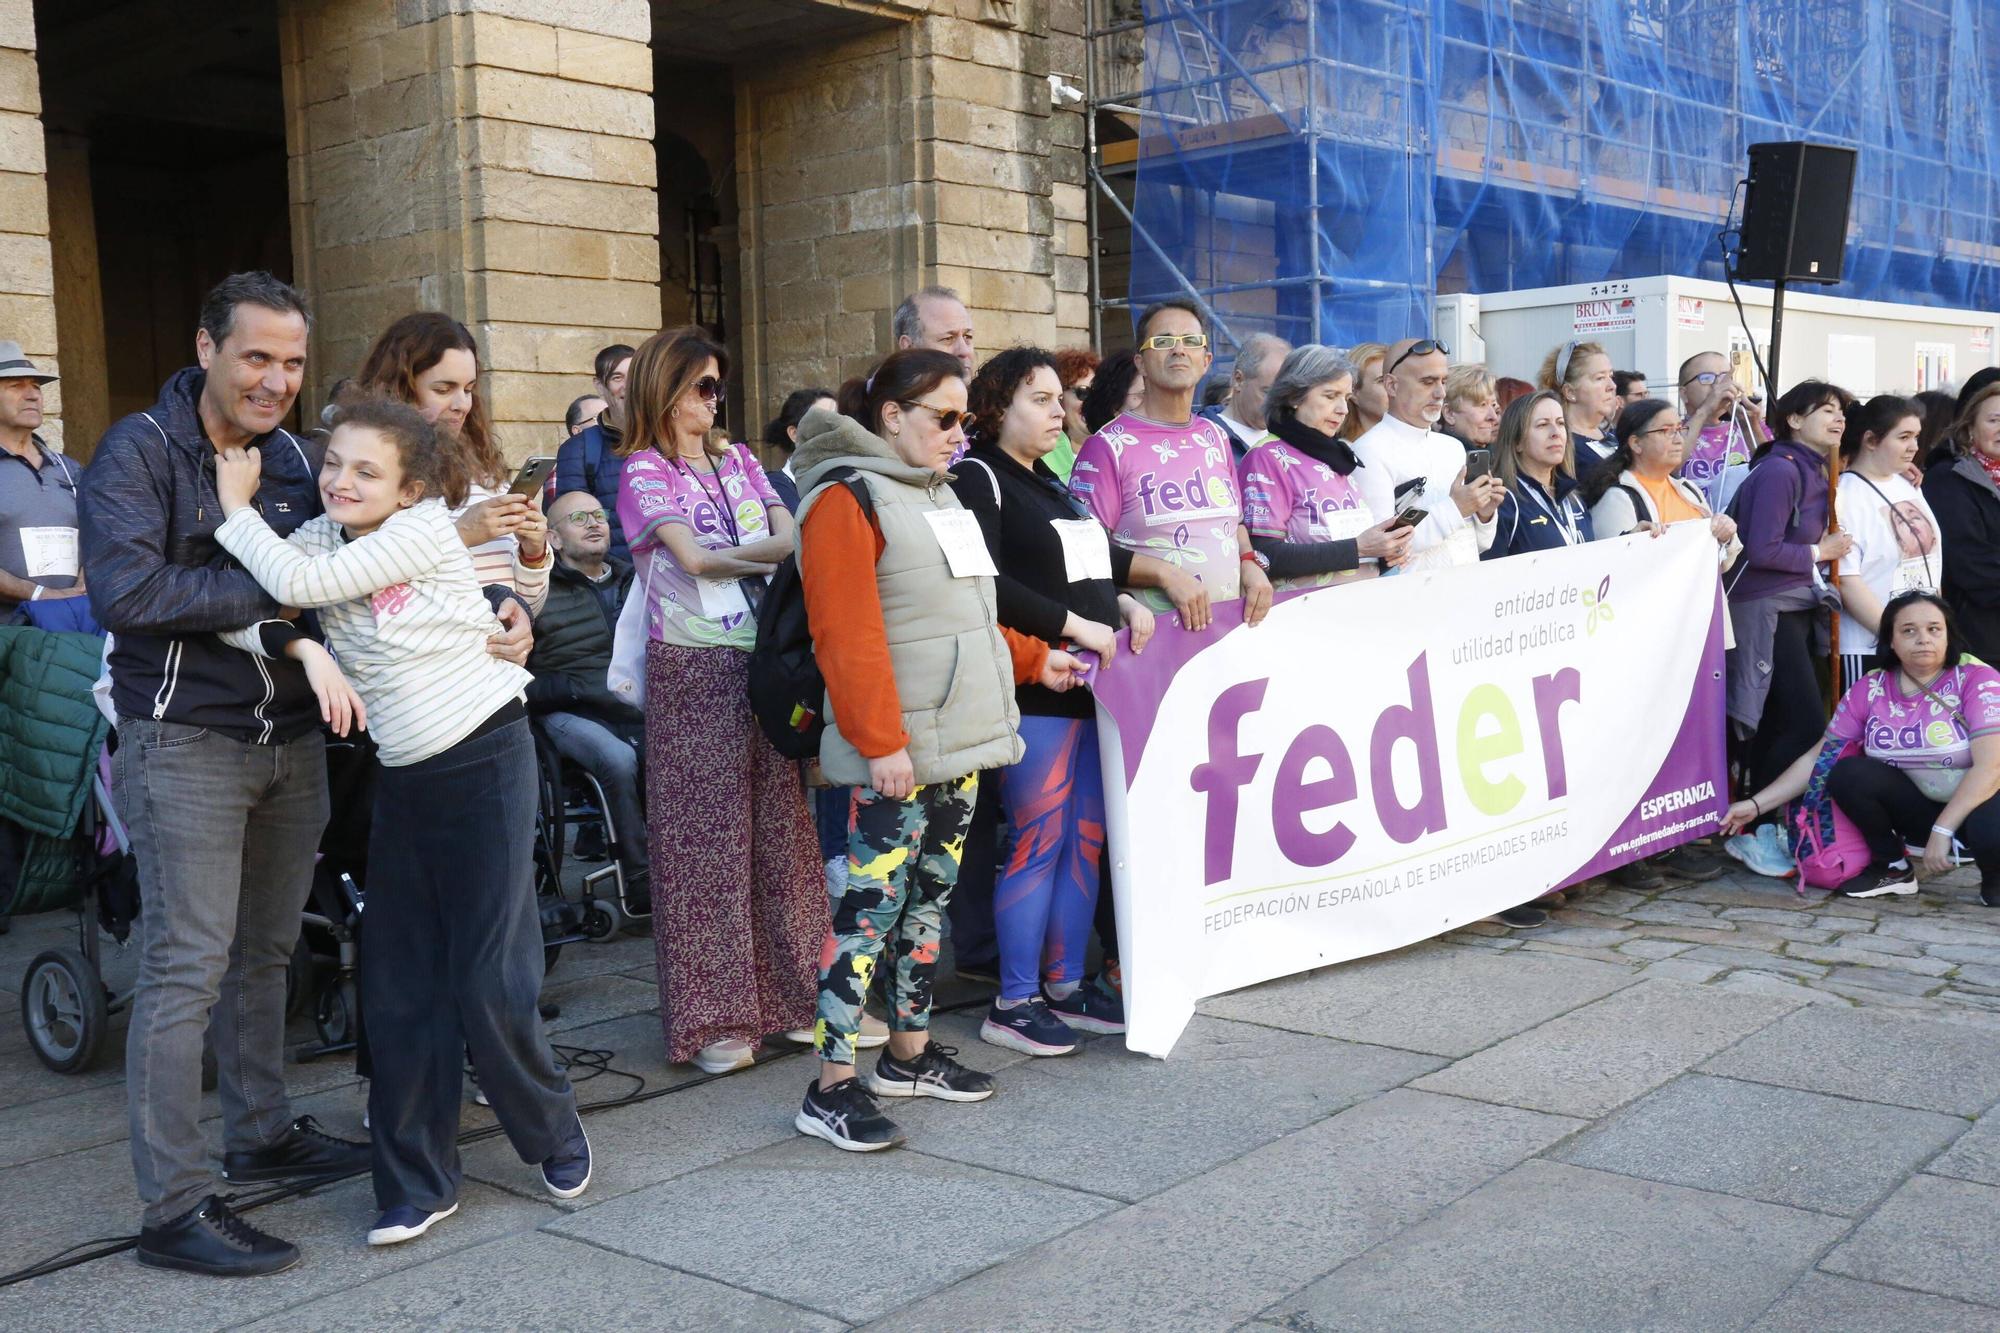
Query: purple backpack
[1829,849]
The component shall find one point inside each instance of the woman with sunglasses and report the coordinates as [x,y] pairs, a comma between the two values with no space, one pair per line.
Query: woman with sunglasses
[739,896]
[920,679]
[1580,374]
[1638,487]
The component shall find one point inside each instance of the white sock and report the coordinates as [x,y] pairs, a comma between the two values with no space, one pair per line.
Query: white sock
[1010,1004]
[1062,990]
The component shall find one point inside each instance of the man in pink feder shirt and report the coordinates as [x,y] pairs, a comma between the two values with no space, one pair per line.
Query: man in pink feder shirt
[1164,480]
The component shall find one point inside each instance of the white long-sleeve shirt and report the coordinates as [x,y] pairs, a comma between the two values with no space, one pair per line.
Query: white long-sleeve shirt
[1393,452]
[402,611]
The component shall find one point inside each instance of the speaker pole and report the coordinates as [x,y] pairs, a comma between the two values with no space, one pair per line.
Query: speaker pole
[1774,386]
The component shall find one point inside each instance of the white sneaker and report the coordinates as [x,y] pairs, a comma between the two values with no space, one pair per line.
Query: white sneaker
[803,1036]
[720,1057]
[836,875]
[874,1032]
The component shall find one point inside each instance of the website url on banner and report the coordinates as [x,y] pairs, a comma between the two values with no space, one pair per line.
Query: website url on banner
[1648,839]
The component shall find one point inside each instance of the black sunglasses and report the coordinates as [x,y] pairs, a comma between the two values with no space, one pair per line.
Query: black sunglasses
[1421,348]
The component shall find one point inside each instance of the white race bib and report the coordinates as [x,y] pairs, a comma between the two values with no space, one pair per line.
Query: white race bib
[49,552]
[957,532]
[1914,575]
[1346,524]
[1085,546]
[722,597]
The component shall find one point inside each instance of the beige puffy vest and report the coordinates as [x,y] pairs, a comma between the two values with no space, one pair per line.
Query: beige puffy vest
[954,675]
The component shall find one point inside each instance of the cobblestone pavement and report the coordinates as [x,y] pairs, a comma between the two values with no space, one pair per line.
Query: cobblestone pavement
[1713,1106]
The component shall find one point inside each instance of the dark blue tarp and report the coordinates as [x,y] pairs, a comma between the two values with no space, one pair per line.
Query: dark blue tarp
[1322,167]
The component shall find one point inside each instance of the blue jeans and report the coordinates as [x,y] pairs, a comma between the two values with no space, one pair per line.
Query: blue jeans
[614,762]
[225,833]
[451,965]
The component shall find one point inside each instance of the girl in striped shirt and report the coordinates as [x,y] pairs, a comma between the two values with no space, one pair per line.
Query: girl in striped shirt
[451,960]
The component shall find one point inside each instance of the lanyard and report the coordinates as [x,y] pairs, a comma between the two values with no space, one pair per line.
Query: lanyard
[1562,515]
[735,538]
[1897,516]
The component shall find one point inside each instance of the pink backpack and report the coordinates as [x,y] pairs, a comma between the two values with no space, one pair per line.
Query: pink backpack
[1829,849]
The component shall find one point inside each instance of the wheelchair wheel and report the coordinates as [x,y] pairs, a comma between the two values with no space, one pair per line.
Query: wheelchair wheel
[63,1010]
[600,920]
[334,1013]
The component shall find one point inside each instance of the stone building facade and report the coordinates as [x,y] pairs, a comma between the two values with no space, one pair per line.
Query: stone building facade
[557,173]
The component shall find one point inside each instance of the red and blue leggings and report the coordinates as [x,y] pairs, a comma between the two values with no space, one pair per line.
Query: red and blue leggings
[1046,896]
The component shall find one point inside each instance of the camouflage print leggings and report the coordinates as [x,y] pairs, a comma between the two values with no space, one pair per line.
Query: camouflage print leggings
[902,859]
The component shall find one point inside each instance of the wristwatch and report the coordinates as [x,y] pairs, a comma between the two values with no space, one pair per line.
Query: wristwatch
[1262,561]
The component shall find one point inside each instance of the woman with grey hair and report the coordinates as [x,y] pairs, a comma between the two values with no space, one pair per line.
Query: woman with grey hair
[1304,511]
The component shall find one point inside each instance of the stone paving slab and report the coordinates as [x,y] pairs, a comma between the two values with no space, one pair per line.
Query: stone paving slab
[1780,1145]
[1214,1250]
[1934,1235]
[1597,1058]
[846,1234]
[1437,998]
[329,1227]
[1227,1088]
[1821,1302]
[1875,1056]
[1549,1246]
[1976,1154]
[566,1284]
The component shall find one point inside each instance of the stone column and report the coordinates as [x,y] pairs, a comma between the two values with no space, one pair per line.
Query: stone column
[488,158]
[27,269]
[914,154]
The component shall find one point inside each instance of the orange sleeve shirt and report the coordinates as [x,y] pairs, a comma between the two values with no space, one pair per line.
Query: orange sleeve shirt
[838,548]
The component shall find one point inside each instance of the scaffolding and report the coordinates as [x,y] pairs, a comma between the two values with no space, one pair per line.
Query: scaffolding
[1324,168]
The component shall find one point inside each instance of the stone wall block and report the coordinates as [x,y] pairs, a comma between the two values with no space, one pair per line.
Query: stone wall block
[511,95]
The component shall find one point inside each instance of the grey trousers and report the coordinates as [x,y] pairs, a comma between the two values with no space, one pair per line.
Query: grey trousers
[225,833]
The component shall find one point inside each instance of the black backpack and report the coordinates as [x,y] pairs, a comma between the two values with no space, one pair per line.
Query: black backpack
[787,691]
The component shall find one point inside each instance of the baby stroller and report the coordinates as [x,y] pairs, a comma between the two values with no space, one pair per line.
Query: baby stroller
[65,1006]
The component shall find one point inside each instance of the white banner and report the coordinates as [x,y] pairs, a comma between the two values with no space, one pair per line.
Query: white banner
[1381,762]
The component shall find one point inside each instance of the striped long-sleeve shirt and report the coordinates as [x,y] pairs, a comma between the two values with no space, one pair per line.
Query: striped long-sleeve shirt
[402,611]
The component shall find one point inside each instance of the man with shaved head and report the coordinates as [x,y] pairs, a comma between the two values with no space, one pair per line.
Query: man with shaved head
[1241,412]
[1406,462]
[588,724]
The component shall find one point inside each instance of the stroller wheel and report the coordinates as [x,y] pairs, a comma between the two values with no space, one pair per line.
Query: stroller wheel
[63,1010]
[600,920]
[335,1011]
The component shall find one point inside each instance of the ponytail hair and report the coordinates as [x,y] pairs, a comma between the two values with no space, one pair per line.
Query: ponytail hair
[1878,416]
[900,377]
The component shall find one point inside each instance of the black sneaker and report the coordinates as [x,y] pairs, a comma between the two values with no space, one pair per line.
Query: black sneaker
[1638,875]
[214,1239]
[307,1150]
[1688,863]
[847,1117]
[1880,880]
[932,1074]
[1523,917]
[1028,1027]
[1989,890]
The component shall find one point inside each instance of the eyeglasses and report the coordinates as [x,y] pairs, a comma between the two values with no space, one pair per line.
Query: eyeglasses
[1422,347]
[1678,428]
[1166,342]
[710,389]
[1705,377]
[584,517]
[948,418]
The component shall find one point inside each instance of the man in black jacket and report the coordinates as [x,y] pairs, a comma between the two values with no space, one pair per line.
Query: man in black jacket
[588,724]
[220,777]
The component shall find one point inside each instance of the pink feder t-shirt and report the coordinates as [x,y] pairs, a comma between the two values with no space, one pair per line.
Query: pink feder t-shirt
[722,509]
[1290,496]
[1168,492]
[1927,735]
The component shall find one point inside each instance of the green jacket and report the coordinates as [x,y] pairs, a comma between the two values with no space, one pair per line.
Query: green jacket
[50,727]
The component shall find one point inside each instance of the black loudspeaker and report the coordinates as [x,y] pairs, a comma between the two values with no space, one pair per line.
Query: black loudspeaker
[1795,212]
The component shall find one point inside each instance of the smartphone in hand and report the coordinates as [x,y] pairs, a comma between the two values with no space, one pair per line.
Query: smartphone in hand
[1478,463]
[533,474]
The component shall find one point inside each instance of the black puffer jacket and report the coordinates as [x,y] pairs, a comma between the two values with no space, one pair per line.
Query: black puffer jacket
[573,648]
[163,586]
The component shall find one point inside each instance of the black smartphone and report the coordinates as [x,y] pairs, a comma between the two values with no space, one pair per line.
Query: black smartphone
[1478,463]
[1409,517]
[533,475]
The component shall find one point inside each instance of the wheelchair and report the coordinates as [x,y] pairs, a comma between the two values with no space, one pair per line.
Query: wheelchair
[572,801]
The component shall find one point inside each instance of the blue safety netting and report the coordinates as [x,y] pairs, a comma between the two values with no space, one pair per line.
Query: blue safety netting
[1323,167]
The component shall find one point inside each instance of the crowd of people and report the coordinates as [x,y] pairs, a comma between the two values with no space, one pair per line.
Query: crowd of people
[969,534]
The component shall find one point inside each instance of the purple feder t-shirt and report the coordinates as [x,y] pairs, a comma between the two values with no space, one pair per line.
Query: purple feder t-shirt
[1168,492]
[1930,738]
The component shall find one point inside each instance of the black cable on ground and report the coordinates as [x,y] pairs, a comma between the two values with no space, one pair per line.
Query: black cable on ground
[594,1063]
